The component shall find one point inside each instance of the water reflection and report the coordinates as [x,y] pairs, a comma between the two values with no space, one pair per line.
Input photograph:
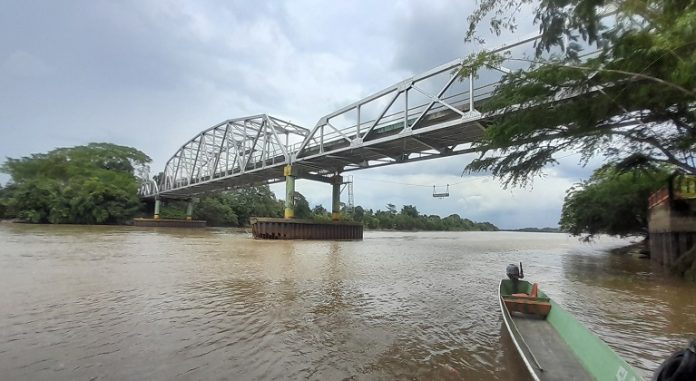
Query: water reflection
[639,310]
[126,303]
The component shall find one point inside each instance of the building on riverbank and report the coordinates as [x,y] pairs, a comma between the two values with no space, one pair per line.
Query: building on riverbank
[672,224]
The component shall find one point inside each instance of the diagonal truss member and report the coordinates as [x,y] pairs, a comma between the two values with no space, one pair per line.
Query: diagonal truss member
[231,148]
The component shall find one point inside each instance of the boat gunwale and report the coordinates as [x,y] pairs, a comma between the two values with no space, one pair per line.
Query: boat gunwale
[507,319]
[624,370]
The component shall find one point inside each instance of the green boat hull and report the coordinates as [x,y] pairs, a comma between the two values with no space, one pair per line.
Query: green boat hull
[558,347]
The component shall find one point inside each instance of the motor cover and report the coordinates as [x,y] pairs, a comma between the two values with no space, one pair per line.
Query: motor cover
[513,271]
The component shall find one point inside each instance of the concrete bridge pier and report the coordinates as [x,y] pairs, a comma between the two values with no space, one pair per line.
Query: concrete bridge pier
[336,182]
[289,192]
[156,221]
[189,210]
[291,228]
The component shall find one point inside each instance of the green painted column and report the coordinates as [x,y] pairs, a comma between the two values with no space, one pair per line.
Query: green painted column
[289,192]
[336,197]
[157,209]
[189,210]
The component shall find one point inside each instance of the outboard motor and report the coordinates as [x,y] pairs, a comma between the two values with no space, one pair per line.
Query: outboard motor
[513,272]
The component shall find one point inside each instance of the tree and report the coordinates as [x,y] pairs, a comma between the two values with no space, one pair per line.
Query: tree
[215,211]
[255,201]
[92,184]
[639,90]
[319,210]
[358,213]
[611,202]
[3,201]
[319,213]
[302,210]
[410,211]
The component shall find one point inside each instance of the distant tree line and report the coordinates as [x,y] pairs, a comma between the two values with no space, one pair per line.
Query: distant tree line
[97,184]
[235,208]
[408,218]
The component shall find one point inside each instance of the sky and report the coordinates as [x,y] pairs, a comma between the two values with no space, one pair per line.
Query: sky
[152,74]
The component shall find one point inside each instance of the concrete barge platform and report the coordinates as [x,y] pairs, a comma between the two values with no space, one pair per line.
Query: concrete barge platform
[168,223]
[280,228]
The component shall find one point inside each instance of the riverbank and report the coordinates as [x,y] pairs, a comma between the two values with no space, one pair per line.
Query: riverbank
[685,266]
[637,249]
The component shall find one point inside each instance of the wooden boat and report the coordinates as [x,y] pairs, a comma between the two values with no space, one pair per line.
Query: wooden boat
[553,345]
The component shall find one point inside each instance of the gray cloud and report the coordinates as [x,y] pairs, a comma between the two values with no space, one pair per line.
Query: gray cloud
[431,33]
[152,74]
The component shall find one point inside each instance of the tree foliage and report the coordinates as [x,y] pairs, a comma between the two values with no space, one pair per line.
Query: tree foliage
[3,201]
[302,209]
[216,211]
[92,184]
[235,208]
[232,208]
[611,202]
[638,90]
[410,219]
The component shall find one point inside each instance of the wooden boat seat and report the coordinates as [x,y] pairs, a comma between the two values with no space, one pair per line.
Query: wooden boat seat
[528,303]
[532,294]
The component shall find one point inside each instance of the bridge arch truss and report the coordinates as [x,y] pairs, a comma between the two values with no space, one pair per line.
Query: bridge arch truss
[244,146]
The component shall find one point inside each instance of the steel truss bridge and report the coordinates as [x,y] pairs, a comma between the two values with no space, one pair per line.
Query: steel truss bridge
[427,116]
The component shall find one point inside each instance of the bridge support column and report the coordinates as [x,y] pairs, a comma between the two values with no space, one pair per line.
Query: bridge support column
[289,192]
[157,209]
[336,181]
[189,210]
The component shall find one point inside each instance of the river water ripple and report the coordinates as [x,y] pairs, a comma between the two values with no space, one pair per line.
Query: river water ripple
[115,303]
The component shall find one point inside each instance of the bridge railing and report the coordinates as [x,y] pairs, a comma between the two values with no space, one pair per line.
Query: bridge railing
[408,105]
[402,107]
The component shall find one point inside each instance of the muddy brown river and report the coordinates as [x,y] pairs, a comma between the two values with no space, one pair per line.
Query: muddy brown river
[118,303]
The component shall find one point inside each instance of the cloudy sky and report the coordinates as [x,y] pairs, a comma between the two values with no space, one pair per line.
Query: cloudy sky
[152,74]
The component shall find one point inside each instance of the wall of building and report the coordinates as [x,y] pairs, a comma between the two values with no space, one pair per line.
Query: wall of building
[672,228]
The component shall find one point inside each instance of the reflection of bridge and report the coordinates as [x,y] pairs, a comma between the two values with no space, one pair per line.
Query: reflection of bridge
[428,116]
